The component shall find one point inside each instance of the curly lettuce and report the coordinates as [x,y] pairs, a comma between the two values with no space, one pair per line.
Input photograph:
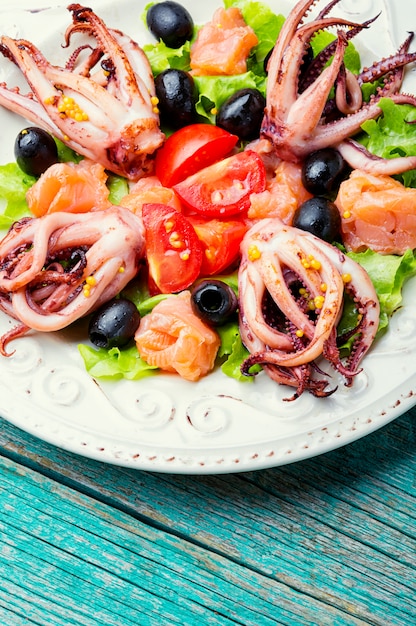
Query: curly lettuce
[392,135]
[388,273]
[14,184]
[114,363]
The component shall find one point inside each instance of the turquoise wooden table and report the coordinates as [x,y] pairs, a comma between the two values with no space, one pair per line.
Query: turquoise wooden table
[329,540]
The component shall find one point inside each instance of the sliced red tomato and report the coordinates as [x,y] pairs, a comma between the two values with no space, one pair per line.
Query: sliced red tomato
[191,148]
[224,188]
[220,241]
[174,252]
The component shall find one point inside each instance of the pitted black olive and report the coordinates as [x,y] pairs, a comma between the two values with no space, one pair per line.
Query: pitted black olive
[35,150]
[323,171]
[242,113]
[170,22]
[320,217]
[214,302]
[114,324]
[177,97]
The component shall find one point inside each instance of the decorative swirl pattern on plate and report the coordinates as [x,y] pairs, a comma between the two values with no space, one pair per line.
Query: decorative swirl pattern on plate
[360,387]
[26,359]
[153,410]
[210,415]
[61,386]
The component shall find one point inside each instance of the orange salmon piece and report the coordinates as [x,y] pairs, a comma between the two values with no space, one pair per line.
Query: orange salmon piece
[71,187]
[174,339]
[377,212]
[149,190]
[284,194]
[223,45]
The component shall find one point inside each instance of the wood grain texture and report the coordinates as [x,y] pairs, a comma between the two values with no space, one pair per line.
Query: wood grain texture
[330,540]
[68,559]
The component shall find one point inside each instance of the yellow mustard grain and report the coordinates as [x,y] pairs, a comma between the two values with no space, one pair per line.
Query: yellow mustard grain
[253,252]
[69,108]
[91,281]
[319,302]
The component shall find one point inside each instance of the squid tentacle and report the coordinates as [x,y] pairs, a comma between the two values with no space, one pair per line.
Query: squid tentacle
[274,254]
[116,122]
[299,118]
[44,298]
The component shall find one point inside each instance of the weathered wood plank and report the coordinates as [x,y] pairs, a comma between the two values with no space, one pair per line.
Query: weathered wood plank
[339,528]
[79,561]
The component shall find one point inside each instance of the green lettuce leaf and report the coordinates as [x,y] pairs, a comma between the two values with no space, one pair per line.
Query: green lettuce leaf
[138,292]
[115,363]
[14,184]
[393,134]
[351,58]
[232,353]
[161,57]
[66,154]
[118,186]
[388,273]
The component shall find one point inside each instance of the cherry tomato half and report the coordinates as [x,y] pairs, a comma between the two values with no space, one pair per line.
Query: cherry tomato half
[174,252]
[189,149]
[220,241]
[224,188]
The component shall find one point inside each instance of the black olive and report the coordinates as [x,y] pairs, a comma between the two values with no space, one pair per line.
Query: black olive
[114,323]
[320,217]
[175,90]
[170,22]
[242,113]
[35,150]
[213,301]
[323,171]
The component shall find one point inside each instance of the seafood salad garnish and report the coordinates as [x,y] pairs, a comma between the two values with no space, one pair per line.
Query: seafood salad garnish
[209,180]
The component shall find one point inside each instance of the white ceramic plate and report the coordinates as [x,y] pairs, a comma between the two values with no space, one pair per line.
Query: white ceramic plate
[216,425]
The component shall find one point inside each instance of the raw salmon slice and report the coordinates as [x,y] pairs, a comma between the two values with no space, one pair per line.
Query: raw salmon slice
[71,187]
[149,190]
[377,212]
[174,339]
[223,45]
[284,194]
